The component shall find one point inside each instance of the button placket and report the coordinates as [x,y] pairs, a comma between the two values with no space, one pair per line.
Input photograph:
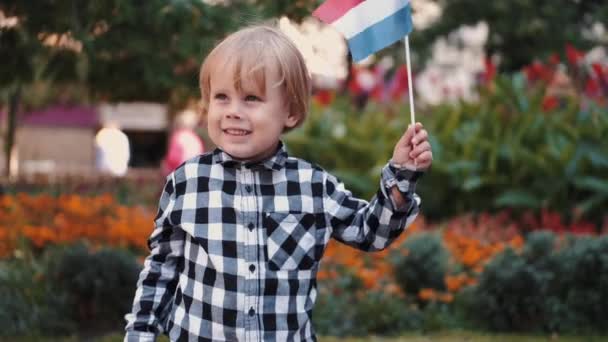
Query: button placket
[251,245]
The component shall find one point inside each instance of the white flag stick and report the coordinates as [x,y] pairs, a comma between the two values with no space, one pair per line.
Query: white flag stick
[410,85]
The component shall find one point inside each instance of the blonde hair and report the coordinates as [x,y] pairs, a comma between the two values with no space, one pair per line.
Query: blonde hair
[250,52]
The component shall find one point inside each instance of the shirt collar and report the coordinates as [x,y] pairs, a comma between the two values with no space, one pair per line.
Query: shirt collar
[276,162]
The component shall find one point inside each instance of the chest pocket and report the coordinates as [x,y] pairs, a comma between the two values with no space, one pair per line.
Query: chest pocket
[291,241]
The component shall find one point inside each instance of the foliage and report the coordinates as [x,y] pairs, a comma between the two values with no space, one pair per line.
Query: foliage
[66,290]
[504,151]
[424,266]
[98,286]
[353,145]
[334,311]
[123,50]
[28,304]
[117,50]
[378,313]
[506,148]
[509,295]
[522,30]
[294,10]
[551,286]
[580,295]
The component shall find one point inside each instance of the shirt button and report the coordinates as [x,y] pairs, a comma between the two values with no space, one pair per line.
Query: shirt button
[251,312]
[252,268]
[251,226]
[248,188]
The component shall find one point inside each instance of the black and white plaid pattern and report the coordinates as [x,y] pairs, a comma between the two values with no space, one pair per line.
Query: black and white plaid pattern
[236,247]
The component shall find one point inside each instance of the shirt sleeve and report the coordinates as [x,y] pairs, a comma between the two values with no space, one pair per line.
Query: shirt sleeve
[158,279]
[373,225]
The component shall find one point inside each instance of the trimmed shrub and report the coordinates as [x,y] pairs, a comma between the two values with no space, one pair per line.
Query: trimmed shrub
[580,296]
[98,286]
[381,314]
[28,305]
[509,296]
[423,266]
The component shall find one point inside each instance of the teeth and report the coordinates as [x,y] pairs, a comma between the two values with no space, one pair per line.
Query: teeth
[237,132]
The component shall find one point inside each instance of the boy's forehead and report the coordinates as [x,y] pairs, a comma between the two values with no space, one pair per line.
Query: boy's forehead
[248,72]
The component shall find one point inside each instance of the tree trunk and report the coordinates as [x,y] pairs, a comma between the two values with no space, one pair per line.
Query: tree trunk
[13,107]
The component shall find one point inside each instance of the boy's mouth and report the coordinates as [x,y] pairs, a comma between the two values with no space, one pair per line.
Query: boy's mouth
[238,132]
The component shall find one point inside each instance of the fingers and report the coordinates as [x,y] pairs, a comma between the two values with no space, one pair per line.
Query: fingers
[424,160]
[406,138]
[419,149]
[420,136]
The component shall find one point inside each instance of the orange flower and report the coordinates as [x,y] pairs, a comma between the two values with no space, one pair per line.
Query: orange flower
[445,297]
[427,294]
[47,220]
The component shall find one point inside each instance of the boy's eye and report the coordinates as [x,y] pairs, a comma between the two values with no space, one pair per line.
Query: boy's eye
[252,98]
[220,96]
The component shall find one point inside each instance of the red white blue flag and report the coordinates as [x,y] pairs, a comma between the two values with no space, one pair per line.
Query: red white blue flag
[368,25]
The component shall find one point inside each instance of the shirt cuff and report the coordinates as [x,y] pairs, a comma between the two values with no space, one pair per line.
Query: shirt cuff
[404,180]
[139,336]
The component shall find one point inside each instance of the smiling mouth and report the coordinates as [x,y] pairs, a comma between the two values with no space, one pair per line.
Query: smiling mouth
[238,132]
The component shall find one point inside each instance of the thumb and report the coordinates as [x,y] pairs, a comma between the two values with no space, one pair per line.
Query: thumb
[406,138]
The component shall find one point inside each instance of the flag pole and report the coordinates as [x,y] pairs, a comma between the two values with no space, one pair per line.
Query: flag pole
[410,85]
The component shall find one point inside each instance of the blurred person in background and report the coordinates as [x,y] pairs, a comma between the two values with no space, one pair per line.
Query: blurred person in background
[184,143]
[112,150]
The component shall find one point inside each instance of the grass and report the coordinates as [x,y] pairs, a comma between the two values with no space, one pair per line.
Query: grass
[455,336]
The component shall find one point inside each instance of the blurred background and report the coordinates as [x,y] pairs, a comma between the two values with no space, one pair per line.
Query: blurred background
[99,101]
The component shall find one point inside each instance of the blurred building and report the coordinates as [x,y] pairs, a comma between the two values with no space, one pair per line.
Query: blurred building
[60,140]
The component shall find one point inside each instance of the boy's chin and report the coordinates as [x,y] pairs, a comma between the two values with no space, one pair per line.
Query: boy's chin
[239,155]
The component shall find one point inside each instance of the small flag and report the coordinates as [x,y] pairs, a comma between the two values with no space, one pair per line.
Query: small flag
[368,25]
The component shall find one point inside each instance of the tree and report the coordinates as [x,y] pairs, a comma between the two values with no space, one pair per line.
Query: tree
[119,50]
[521,30]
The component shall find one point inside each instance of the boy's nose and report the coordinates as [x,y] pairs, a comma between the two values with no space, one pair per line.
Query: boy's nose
[233,115]
[234,111]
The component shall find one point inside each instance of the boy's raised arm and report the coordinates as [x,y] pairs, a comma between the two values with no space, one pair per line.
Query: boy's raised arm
[158,279]
[370,226]
[374,225]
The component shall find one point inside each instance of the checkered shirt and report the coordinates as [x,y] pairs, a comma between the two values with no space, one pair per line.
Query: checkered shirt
[236,246]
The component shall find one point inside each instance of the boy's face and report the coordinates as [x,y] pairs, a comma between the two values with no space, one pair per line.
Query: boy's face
[247,124]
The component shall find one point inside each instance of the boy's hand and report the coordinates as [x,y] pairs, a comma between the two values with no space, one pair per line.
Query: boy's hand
[413,151]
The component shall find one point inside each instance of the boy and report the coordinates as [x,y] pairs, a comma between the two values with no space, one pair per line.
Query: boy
[240,231]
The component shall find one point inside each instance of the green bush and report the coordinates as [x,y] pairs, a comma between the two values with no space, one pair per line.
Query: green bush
[424,266]
[503,151]
[580,296]
[509,296]
[99,286]
[507,149]
[67,290]
[334,310]
[379,313]
[544,288]
[28,304]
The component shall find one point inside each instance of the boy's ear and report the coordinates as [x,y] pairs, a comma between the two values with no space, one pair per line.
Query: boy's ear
[292,120]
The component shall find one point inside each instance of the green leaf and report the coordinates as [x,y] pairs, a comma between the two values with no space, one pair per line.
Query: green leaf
[592,183]
[592,203]
[517,198]
[472,183]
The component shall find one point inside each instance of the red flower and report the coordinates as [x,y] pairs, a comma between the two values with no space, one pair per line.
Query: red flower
[574,56]
[550,103]
[592,88]
[324,97]
[601,74]
[489,72]
[582,228]
[554,59]
[353,85]
[538,72]
[399,84]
